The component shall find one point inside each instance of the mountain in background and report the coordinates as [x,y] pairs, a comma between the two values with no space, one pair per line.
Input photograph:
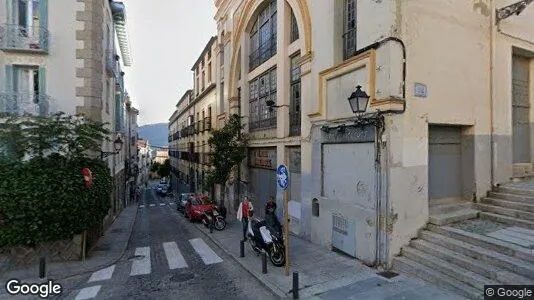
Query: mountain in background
[156,134]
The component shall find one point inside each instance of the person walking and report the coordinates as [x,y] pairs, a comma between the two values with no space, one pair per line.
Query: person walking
[270,215]
[270,206]
[243,213]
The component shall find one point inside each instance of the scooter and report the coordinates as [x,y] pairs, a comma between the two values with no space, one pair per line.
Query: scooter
[266,239]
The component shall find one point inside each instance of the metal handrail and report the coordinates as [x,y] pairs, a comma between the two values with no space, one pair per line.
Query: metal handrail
[16,103]
[17,37]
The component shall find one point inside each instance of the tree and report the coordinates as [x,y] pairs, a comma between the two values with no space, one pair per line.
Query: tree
[164,169]
[155,167]
[42,195]
[228,149]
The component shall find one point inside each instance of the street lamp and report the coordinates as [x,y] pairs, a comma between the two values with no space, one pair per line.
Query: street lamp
[117,144]
[358,100]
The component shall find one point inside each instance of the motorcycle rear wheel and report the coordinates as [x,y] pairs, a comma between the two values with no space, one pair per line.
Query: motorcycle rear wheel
[220,224]
[277,256]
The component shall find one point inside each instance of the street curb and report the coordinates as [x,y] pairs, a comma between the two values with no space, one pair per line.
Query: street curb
[112,261]
[268,285]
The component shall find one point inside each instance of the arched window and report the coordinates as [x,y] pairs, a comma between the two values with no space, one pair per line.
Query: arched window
[263,36]
[294,28]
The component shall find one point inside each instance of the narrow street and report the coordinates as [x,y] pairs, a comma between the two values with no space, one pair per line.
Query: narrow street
[167,258]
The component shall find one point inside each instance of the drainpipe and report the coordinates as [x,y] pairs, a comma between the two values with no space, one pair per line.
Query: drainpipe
[492,146]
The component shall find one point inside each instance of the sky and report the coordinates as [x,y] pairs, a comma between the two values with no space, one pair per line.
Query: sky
[166,38]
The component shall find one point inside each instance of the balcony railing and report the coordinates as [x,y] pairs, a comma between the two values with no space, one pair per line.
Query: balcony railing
[19,38]
[294,123]
[26,103]
[207,123]
[349,43]
[112,63]
[265,51]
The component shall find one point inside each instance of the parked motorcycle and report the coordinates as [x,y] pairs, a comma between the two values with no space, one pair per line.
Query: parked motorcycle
[264,237]
[214,219]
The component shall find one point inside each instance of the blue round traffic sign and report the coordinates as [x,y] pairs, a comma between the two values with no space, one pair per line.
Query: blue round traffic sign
[282,176]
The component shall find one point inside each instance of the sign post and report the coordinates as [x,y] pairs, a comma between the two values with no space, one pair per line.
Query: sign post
[282,177]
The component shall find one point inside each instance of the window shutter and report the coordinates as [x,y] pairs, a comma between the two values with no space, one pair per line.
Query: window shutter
[9,78]
[43,31]
[42,99]
[43,9]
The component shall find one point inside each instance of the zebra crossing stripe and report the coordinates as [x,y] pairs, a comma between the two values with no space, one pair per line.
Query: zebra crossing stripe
[152,205]
[88,292]
[142,265]
[103,274]
[161,204]
[174,257]
[141,206]
[208,256]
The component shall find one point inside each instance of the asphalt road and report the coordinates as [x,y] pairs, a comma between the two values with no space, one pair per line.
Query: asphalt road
[167,258]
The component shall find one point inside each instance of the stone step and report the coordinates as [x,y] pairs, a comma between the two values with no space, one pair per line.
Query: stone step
[507,220]
[485,242]
[402,264]
[453,217]
[519,214]
[511,197]
[435,263]
[449,207]
[443,201]
[527,207]
[469,263]
[483,255]
[514,190]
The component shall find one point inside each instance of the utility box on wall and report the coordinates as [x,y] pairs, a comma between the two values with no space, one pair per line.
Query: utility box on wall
[344,234]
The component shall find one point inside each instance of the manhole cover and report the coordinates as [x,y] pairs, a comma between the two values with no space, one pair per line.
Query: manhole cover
[388,274]
[136,257]
[182,277]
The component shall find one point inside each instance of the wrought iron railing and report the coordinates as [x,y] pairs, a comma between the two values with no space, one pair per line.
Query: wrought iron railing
[265,51]
[294,123]
[26,103]
[19,38]
[349,43]
[263,124]
[112,65]
[207,123]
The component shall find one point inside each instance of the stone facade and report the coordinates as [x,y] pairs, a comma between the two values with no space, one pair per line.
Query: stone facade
[441,99]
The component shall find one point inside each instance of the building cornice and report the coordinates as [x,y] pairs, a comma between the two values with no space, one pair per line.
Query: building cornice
[210,43]
[197,99]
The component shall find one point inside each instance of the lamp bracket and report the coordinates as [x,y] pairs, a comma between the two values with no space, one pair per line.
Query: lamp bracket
[512,9]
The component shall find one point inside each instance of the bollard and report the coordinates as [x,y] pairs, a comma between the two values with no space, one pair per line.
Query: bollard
[295,285]
[264,262]
[42,267]
[242,248]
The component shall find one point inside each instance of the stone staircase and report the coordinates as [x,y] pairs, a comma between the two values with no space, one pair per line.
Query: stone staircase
[461,253]
[510,204]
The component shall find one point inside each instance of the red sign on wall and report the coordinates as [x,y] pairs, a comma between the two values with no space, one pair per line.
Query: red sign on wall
[87,178]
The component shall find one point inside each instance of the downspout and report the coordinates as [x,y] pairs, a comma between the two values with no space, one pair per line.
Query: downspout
[492,146]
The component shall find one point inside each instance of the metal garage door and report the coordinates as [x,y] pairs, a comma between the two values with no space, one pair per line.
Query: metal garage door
[262,178]
[349,181]
[444,162]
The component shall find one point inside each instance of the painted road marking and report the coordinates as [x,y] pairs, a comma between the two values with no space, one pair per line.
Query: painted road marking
[174,257]
[152,205]
[88,292]
[161,204]
[141,206]
[141,266]
[208,256]
[103,274]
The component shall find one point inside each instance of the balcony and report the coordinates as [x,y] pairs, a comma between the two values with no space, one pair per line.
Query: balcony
[112,63]
[13,103]
[19,38]
[207,124]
